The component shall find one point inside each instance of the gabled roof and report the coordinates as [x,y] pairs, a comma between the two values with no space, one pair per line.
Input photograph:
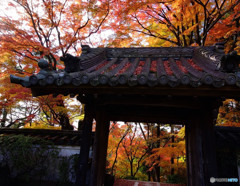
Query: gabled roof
[145,67]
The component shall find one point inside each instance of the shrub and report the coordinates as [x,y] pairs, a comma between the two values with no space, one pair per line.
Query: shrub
[26,157]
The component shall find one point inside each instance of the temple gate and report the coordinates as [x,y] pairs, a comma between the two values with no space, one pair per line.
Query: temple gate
[183,85]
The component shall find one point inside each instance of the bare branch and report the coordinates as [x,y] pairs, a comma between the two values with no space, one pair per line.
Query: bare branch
[29,12]
[150,32]
[118,145]
[21,54]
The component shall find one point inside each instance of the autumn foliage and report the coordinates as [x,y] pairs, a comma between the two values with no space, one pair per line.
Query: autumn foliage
[146,151]
[229,114]
[177,23]
[52,28]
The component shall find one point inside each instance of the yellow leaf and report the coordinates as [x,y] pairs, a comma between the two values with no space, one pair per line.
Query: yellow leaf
[189,30]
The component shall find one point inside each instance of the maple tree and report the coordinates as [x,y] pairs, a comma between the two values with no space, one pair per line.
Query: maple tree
[139,150]
[52,28]
[13,98]
[53,111]
[18,108]
[229,114]
[126,151]
[176,23]
[169,155]
[49,28]
[42,29]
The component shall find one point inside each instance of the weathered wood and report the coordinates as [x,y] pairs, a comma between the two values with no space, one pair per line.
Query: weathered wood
[100,148]
[85,143]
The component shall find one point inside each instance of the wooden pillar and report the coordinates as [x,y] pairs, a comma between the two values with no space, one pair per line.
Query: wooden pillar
[85,143]
[201,147]
[209,145]
[100,148]
[194,153]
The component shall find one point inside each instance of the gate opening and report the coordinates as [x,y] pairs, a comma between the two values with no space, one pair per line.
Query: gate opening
[150,152]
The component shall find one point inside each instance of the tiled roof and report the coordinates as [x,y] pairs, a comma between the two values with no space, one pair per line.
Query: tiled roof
[58,137]
[164,66]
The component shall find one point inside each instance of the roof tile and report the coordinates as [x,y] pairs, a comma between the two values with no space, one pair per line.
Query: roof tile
[162,66]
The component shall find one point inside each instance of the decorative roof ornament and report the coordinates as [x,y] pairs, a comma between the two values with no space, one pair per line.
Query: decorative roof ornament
[72,63]
[230,62]
[44,66]
[85,49]
[219,47]
[89,57]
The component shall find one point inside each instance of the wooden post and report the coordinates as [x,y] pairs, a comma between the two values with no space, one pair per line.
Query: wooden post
[85,144]
[209,145]
[100,148]
[194,153]
[201,147]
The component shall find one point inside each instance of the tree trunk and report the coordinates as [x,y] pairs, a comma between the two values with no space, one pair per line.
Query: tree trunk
[158,145]
[63,119]
[4,118]
[172,158]
[64,122]
[131,165]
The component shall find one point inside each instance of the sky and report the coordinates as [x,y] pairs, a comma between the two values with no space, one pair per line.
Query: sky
[95,38]
[3,7]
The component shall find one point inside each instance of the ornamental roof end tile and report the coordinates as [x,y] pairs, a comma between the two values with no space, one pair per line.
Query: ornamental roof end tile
[150,66]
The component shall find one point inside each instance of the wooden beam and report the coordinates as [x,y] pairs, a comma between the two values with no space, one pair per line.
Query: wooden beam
[100,148]
[189,102]
[183,90]
[148,114]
